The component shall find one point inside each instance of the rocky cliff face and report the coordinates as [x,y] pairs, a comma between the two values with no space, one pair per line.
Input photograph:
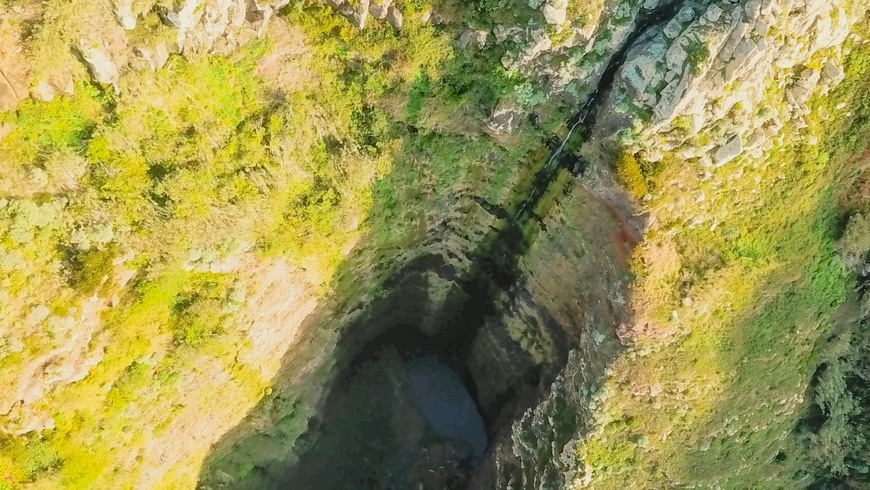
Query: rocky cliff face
[733,72]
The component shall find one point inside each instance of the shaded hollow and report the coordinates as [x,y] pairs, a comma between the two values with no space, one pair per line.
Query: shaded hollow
[519,301]
[401,416]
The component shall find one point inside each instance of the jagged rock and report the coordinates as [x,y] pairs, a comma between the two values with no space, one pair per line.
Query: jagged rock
[752,9]
[219,26]
[540,45]
[395,18]
[713,13]
[506,117]
[671,97]
[803,88]
[380,9]
[359,17]
[740,55]
[555,11]
[729,151]
[756,139]
[744,52]
[101,66]
[185,18]
[344,8]
[161,55]
[685,15]
[124,14]
[638,73]
[503,33]
[675,57]
[832,73]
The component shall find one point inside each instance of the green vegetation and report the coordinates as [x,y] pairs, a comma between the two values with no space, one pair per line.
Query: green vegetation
[696,53]
[630,175]
[748,369]
[157,199]
[139,215]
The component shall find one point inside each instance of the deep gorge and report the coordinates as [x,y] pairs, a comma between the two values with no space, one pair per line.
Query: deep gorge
[410,244]
[504,335]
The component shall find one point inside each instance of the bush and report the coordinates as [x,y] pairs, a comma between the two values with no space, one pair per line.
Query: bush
[629,172]
[855,243]
[40,458]
[87,269]
[200,311]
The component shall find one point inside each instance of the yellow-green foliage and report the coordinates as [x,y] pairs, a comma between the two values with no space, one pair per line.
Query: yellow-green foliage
[190,165]
[716,388]
[630,174]
[203,309]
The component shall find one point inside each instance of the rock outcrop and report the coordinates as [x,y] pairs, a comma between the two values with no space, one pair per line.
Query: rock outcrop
[125,15]
[555,11]
[720,69]
[100,64]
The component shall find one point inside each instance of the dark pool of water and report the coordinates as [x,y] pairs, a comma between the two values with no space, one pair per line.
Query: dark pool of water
[442,397]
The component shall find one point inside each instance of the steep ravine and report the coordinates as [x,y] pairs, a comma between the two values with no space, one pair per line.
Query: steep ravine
[505,327]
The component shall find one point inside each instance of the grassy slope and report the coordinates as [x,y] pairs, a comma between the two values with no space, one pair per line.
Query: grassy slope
[733,319]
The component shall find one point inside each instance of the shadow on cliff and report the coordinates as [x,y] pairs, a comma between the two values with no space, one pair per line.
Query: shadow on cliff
[445,284]
[451,267]
[386,281]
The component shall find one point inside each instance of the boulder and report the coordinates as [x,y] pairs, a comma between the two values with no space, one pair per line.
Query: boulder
[101,66]
[832,73]
[395,17]
[713,13]
[506,117]
[11,91]
[555,11]
[685,15]
[673,29]
[380,9]
[475,37]
[124,14]
[43,91]
[729,151]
